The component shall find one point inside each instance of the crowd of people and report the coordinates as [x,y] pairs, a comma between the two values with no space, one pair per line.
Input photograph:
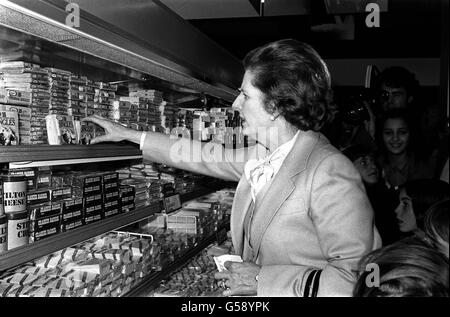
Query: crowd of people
[314,208]
[403,163]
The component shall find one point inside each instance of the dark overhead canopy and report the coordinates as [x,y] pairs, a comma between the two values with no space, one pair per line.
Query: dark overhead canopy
[409,28]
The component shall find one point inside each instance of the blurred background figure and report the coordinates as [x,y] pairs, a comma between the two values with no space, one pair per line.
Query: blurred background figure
[436,226]
[398,157]
[383,200]
[354,122]
[415,198]
[407,268]
[397,88]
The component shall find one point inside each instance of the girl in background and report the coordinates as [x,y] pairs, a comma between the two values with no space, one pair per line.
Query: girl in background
[383,199]
[415,198]
[398,159]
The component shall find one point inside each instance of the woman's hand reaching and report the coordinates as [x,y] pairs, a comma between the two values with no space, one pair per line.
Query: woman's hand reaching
[115,132]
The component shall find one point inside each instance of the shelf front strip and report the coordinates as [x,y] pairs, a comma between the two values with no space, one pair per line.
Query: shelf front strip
[74,161]
[30,153]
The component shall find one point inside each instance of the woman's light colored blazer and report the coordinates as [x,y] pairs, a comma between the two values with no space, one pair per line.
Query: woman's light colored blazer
[314,216]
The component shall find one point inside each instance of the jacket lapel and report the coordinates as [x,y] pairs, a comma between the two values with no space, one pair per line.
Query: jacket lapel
[241,202]
[240,207]
[282,186]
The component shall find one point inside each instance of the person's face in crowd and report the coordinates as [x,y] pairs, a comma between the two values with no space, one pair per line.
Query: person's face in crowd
[394,98]
[396,135]
[367,169]
[250,104]
[405,213]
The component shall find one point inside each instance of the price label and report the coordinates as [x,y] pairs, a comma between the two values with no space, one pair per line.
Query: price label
[172,203]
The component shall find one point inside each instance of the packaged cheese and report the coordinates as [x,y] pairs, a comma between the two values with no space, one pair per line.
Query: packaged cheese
[60,129]
[9,128]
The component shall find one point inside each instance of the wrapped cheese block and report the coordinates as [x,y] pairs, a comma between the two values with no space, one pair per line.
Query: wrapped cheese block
[21,278]
[47,292]
[101,267]
[68,284]
[50,261]
[123,256]
[80,276]
[7,288]
[73,254]
[38,270]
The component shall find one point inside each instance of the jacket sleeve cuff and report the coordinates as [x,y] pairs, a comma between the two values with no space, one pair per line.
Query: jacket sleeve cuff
[141,143]
[282,280]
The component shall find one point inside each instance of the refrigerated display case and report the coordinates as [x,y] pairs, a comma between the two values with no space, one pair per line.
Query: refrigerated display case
[111,45]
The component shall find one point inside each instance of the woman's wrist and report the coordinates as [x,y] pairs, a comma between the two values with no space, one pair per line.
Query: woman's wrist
[133,136]
[142,140]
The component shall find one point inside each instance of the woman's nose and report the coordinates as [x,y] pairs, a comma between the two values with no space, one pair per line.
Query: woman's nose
[395,137]
[397,210]
[236,104]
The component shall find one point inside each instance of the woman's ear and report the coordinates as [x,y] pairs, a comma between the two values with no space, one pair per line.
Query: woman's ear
[273,109]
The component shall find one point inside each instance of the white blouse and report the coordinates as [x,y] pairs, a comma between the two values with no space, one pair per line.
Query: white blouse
[260,172]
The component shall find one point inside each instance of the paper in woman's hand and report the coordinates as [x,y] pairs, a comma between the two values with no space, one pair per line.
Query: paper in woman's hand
[220,260]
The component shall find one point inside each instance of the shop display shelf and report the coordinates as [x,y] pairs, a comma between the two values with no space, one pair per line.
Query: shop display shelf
[150,282]
[20,255]
[66,239]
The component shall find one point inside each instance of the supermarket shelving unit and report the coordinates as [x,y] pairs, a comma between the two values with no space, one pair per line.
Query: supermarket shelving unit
[109,46]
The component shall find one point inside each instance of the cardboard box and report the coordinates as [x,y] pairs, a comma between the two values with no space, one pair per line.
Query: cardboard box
[44,233]
[38,197]
[44,210]
[72,205]
[93,217]
[40,224]
[73,224]
[60,193]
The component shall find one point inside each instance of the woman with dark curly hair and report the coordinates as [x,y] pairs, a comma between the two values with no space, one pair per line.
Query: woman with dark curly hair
[301,219]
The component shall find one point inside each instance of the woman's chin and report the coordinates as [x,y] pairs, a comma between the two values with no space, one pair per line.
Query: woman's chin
[371,180]
[397,151]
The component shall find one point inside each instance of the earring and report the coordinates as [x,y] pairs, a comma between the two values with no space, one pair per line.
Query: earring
[272,118]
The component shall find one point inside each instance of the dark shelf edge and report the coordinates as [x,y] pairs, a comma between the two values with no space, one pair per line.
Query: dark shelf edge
[20,153]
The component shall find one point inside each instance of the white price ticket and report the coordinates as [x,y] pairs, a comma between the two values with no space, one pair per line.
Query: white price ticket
[220,260]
